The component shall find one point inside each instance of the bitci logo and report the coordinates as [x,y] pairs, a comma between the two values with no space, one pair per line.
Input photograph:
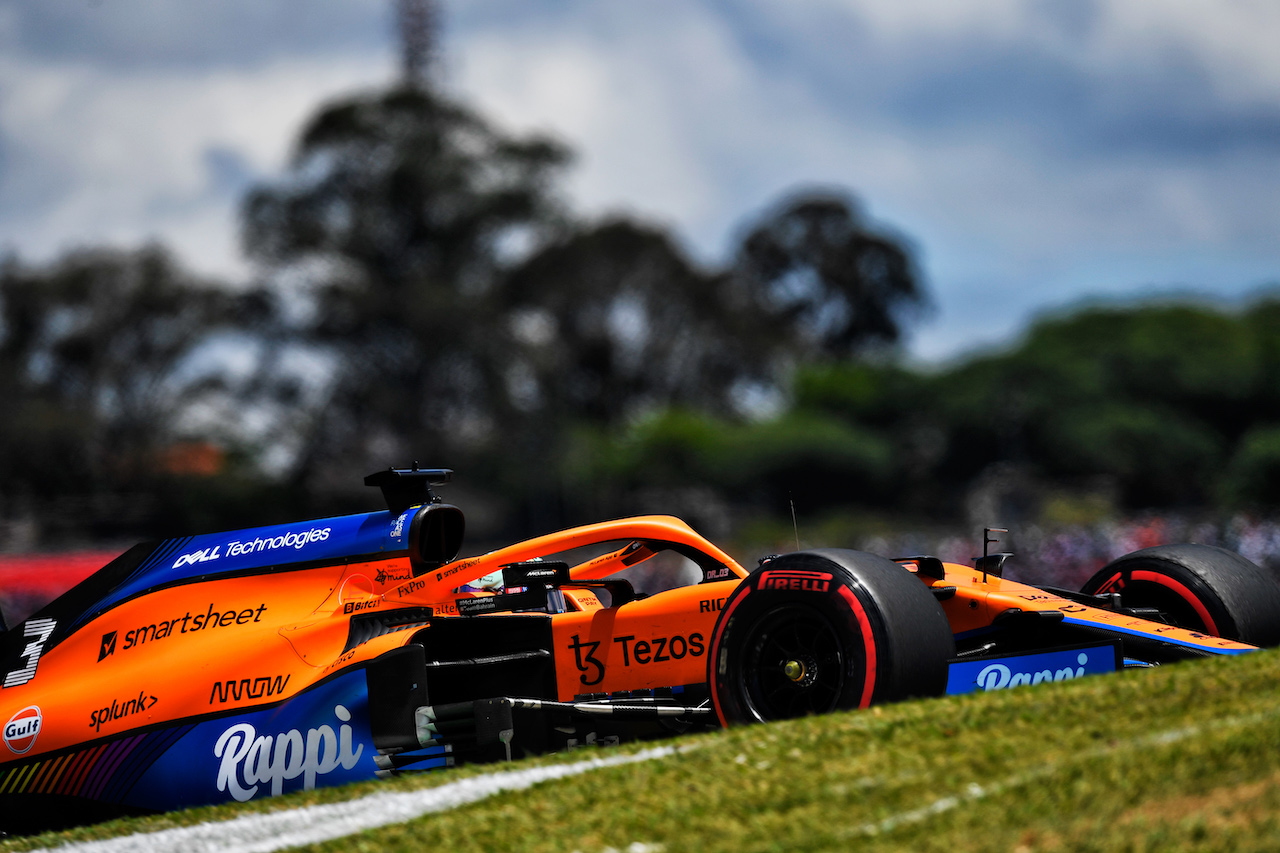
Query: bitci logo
[21,730]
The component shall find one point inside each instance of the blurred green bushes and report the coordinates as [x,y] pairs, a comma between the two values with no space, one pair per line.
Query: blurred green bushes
[1145,405]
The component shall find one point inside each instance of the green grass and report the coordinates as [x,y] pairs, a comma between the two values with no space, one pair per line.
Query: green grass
[1186,757]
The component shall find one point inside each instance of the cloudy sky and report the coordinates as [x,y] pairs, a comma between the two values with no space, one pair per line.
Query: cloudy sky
[1034,153]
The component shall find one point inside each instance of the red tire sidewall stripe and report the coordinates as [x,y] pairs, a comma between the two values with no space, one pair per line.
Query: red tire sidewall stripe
[715,645]
[868,642]
[1110,581]
[1186,594]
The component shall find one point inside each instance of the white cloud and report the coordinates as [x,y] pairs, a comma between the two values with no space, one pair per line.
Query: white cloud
[696,115]
[126,154]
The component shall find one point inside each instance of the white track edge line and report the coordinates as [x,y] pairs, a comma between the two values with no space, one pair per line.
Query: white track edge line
[263,833]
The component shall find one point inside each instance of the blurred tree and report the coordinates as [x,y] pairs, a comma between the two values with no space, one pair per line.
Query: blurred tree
[92,360]
[462,310]
[424,259]
[614,320]
[399,214]
[1149,397]
[620,321]
[1253,475]
[820,282]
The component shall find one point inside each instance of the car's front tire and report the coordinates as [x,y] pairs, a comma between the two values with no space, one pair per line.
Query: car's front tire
[1200,587]
[826,630]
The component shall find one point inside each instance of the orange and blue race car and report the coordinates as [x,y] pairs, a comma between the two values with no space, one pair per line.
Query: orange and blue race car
[235,666]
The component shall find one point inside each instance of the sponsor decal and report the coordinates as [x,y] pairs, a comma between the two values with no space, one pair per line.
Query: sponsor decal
[249,760]
[22,729]
[397,529]
[660,649]
[453,570]
[794,579]
[204,555]
[108,646]
[473,606]
[248,688]
[634,652]
[997,676]
[587,663]
[410,588]
[38,631]
[297,540]
[711,605]
[213,617]
[1035,668]
[383,576]
[120,709]
[359,606]
[342,660]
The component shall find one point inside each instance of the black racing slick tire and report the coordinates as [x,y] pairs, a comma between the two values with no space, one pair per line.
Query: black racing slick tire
[825,630]
[1199,587]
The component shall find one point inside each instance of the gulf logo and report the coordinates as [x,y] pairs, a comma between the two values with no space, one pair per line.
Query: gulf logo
[21,730]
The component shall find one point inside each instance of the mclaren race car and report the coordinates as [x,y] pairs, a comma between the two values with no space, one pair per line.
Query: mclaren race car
[241,665]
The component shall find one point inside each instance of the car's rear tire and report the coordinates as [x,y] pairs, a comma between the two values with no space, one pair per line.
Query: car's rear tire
[1199,587]
[826,630]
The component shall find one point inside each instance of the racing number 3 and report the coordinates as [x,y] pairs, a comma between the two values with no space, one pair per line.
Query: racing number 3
[584,662]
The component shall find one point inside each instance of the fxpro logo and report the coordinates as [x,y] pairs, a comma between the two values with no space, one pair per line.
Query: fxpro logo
[997,676]
[21,730]
[249,760]
[297,540]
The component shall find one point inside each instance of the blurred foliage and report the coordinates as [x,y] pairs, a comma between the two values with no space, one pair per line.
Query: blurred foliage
[1144,405]
[424,293]
[394,224]
[1253,475]
[95,370]
[469,317]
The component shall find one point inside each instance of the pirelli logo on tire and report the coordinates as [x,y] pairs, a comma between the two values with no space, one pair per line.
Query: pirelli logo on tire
[795,580]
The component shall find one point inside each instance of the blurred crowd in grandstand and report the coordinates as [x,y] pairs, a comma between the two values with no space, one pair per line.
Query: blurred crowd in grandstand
[1066,556]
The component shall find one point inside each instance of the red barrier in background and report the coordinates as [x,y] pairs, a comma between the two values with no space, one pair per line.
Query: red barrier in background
[30,581]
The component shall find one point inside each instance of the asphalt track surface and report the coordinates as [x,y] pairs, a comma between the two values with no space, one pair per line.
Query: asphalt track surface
[260,833]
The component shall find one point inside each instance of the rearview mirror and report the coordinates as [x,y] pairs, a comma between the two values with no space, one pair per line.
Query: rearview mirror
[435,537]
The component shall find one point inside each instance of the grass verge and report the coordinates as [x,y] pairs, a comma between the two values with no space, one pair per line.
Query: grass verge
[1179,758]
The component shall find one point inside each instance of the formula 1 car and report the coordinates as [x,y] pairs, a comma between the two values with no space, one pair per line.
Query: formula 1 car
[239,665]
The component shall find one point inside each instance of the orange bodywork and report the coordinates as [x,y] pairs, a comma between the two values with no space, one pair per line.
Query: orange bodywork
[282,632]
[979,599]
[220,644]
[653,642]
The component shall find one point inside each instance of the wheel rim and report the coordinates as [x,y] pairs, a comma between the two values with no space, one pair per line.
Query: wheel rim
[794,665]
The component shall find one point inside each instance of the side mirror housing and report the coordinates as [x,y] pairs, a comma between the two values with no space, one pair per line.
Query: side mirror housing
[435,537]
